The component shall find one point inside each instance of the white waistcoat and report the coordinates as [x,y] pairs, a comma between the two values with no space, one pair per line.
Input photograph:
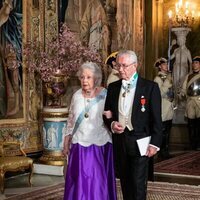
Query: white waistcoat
[125,118]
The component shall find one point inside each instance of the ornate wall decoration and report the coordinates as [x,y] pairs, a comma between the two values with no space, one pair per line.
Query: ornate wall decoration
[40,18]
[12,77]
[88,19]
[51,20]
[124,21]
[138,32]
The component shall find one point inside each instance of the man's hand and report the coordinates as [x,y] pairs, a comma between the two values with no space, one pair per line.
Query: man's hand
[117,127]
[151,151]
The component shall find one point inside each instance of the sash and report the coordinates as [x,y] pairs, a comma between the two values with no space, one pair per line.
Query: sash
[192,80]
[80,118]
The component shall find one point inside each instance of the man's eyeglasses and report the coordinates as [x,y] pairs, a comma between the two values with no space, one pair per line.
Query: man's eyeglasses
[123,66]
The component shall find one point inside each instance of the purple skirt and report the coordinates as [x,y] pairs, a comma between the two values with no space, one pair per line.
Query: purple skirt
[90,173]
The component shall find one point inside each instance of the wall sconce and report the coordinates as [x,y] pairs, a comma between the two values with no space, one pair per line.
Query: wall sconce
[184,14]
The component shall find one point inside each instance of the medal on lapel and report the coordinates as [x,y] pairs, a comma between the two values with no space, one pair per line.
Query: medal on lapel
[143,102]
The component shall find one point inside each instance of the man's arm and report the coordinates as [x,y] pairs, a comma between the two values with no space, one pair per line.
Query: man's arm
[107,108]
[156,129]
[156,116]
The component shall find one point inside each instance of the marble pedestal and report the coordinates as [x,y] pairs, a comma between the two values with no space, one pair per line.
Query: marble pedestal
[54,128]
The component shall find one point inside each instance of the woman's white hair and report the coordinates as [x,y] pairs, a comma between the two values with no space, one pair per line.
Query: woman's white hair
[94,68]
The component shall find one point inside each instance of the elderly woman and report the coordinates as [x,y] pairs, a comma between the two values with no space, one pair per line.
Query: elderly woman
[90,171]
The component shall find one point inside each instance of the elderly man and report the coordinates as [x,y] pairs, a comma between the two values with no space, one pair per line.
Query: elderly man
[135,107]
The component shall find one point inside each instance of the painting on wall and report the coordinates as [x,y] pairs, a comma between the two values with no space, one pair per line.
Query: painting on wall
[16,102]
[11,72]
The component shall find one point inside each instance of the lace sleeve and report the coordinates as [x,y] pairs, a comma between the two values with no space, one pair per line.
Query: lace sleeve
[71,119]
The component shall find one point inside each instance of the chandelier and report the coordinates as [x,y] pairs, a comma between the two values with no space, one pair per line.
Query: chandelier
[184,14]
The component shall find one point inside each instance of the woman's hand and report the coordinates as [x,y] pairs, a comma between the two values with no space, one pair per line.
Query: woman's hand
[108,114]
[65,151]
[66,146]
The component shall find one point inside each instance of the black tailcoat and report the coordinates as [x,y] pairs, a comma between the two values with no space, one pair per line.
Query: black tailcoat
[145,123]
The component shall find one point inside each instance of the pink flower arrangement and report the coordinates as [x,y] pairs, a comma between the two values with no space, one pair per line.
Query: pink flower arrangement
[63,55]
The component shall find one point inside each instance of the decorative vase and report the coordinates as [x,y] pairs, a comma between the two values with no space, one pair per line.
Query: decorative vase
[54,90]
[54,127]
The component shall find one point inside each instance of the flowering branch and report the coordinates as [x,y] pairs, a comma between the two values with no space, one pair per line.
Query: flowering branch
[64,54]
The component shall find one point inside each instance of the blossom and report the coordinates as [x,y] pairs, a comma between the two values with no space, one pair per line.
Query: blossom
[64,55]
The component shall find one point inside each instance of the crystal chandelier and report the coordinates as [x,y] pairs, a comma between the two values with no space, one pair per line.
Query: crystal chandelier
[184,14]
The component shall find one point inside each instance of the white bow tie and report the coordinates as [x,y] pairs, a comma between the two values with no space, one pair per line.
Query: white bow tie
[125,83]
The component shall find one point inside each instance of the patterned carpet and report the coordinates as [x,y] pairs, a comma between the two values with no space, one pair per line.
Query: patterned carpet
[187,164]
[156,191]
